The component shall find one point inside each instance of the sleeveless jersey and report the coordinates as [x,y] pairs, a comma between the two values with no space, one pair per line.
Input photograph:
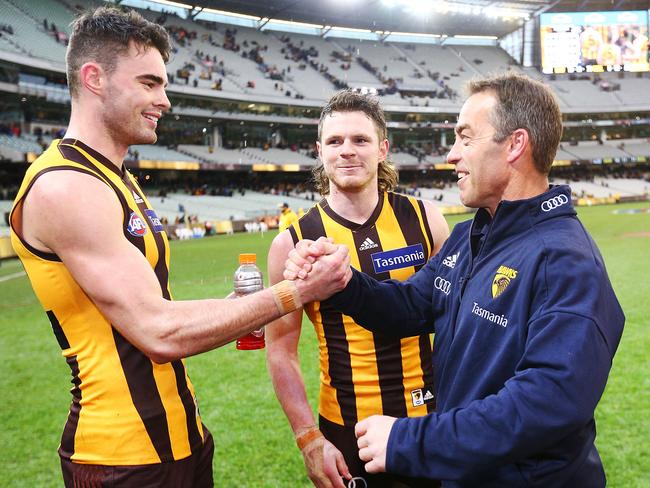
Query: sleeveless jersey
[363,373]
[126,409]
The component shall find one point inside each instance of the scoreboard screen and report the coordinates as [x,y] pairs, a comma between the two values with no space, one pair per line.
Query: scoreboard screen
[594,42]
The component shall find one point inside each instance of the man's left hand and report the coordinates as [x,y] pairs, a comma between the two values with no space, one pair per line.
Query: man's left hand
[372,440]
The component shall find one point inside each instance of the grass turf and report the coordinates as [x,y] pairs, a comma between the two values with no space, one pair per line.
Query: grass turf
[254,445]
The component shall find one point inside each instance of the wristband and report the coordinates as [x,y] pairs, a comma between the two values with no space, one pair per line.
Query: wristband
[286,296]
[311,434]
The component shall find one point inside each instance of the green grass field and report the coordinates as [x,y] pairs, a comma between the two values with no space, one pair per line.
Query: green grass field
[254,445]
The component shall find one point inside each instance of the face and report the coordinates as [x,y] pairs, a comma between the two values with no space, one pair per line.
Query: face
[481,164]
[350,151]
[135,97]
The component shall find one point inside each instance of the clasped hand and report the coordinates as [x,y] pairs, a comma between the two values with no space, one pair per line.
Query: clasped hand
[321,267]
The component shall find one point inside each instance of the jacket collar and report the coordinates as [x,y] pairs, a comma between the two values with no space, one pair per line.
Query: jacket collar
[515,216]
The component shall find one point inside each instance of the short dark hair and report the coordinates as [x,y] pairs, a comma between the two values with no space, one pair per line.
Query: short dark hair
[352,101]
[523,103]
[104,33]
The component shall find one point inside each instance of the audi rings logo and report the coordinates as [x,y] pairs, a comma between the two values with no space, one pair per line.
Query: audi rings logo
[442,285]
[554,203]
[357,482]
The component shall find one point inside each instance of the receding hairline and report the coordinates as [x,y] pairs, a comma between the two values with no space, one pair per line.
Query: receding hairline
[492,98]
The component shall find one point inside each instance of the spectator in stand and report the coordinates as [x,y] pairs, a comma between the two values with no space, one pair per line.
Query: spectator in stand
[287,216]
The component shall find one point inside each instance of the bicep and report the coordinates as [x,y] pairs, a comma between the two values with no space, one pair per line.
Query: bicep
[89,240]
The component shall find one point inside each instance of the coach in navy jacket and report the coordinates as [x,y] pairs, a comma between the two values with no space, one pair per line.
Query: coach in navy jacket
[526,322]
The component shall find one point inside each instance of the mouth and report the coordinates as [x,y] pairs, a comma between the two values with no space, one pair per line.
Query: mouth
[152,117]
[349,166]
[461,175]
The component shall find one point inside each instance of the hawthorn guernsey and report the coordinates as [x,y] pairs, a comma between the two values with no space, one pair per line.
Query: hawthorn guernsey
[398,258]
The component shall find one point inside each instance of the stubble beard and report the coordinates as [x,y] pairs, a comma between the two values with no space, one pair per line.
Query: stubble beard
[127,134]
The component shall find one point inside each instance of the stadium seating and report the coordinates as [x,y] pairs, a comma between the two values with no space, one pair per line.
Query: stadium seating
[14,148]
[635,147]
[276,66]
[250,206]
[29,33]
[156,152]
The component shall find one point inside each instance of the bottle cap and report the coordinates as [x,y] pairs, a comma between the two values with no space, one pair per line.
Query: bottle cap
[247,258]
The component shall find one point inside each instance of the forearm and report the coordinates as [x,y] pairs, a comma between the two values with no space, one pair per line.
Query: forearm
[399,309]
[290,389]
[168,330]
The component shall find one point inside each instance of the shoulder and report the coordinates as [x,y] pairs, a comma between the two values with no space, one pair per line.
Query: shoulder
[437,224]
[574,273]
[69,187]
[566,238]
[67,210]
[278,252]
[281,245]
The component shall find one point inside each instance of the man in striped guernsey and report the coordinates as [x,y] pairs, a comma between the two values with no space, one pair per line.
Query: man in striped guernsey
[98,259]
[390,236]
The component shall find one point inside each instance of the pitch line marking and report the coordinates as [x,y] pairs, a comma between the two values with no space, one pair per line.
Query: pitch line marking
[12,276]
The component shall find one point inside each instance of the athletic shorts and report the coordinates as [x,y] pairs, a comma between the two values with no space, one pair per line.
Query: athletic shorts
[194,471]
[346,442]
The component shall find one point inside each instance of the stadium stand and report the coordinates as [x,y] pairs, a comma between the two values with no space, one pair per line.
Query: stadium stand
[157,152]
[249,206]
[419,85]
[30,36]
[243,62]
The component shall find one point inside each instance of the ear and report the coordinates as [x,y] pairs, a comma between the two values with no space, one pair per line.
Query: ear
[519,143]
[319,148]
[383,149]
[91,77]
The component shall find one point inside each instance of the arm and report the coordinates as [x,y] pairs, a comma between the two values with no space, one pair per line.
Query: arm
[551,397]
[323,461]
[549,401]
[395,308]
[86,233]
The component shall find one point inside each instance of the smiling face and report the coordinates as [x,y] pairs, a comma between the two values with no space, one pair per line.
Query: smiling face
[135,97]
[350,151]
[481,163]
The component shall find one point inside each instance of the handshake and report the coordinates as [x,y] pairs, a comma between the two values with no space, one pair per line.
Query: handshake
[319,268]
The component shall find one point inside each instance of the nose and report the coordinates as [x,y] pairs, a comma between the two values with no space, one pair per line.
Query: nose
[453,157]
[347,148]
[163,103]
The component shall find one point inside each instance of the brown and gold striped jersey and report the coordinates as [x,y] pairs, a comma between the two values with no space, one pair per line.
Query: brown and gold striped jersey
[363,373]
[126,409]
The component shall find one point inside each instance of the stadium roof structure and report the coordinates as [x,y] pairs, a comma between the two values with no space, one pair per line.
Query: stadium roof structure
[451,17]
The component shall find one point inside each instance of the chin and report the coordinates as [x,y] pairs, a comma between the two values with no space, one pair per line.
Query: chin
[146,139]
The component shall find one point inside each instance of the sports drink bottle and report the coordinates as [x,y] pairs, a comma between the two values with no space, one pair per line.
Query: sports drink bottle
[248,279]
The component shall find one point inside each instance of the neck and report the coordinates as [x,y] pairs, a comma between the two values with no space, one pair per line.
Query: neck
[356,207]
[523,186]
[87,127]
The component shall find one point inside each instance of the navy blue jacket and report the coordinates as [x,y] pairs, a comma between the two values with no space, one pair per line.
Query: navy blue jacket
[526,325]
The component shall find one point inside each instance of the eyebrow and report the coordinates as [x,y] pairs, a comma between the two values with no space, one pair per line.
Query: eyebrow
[460,128]
[154,78]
